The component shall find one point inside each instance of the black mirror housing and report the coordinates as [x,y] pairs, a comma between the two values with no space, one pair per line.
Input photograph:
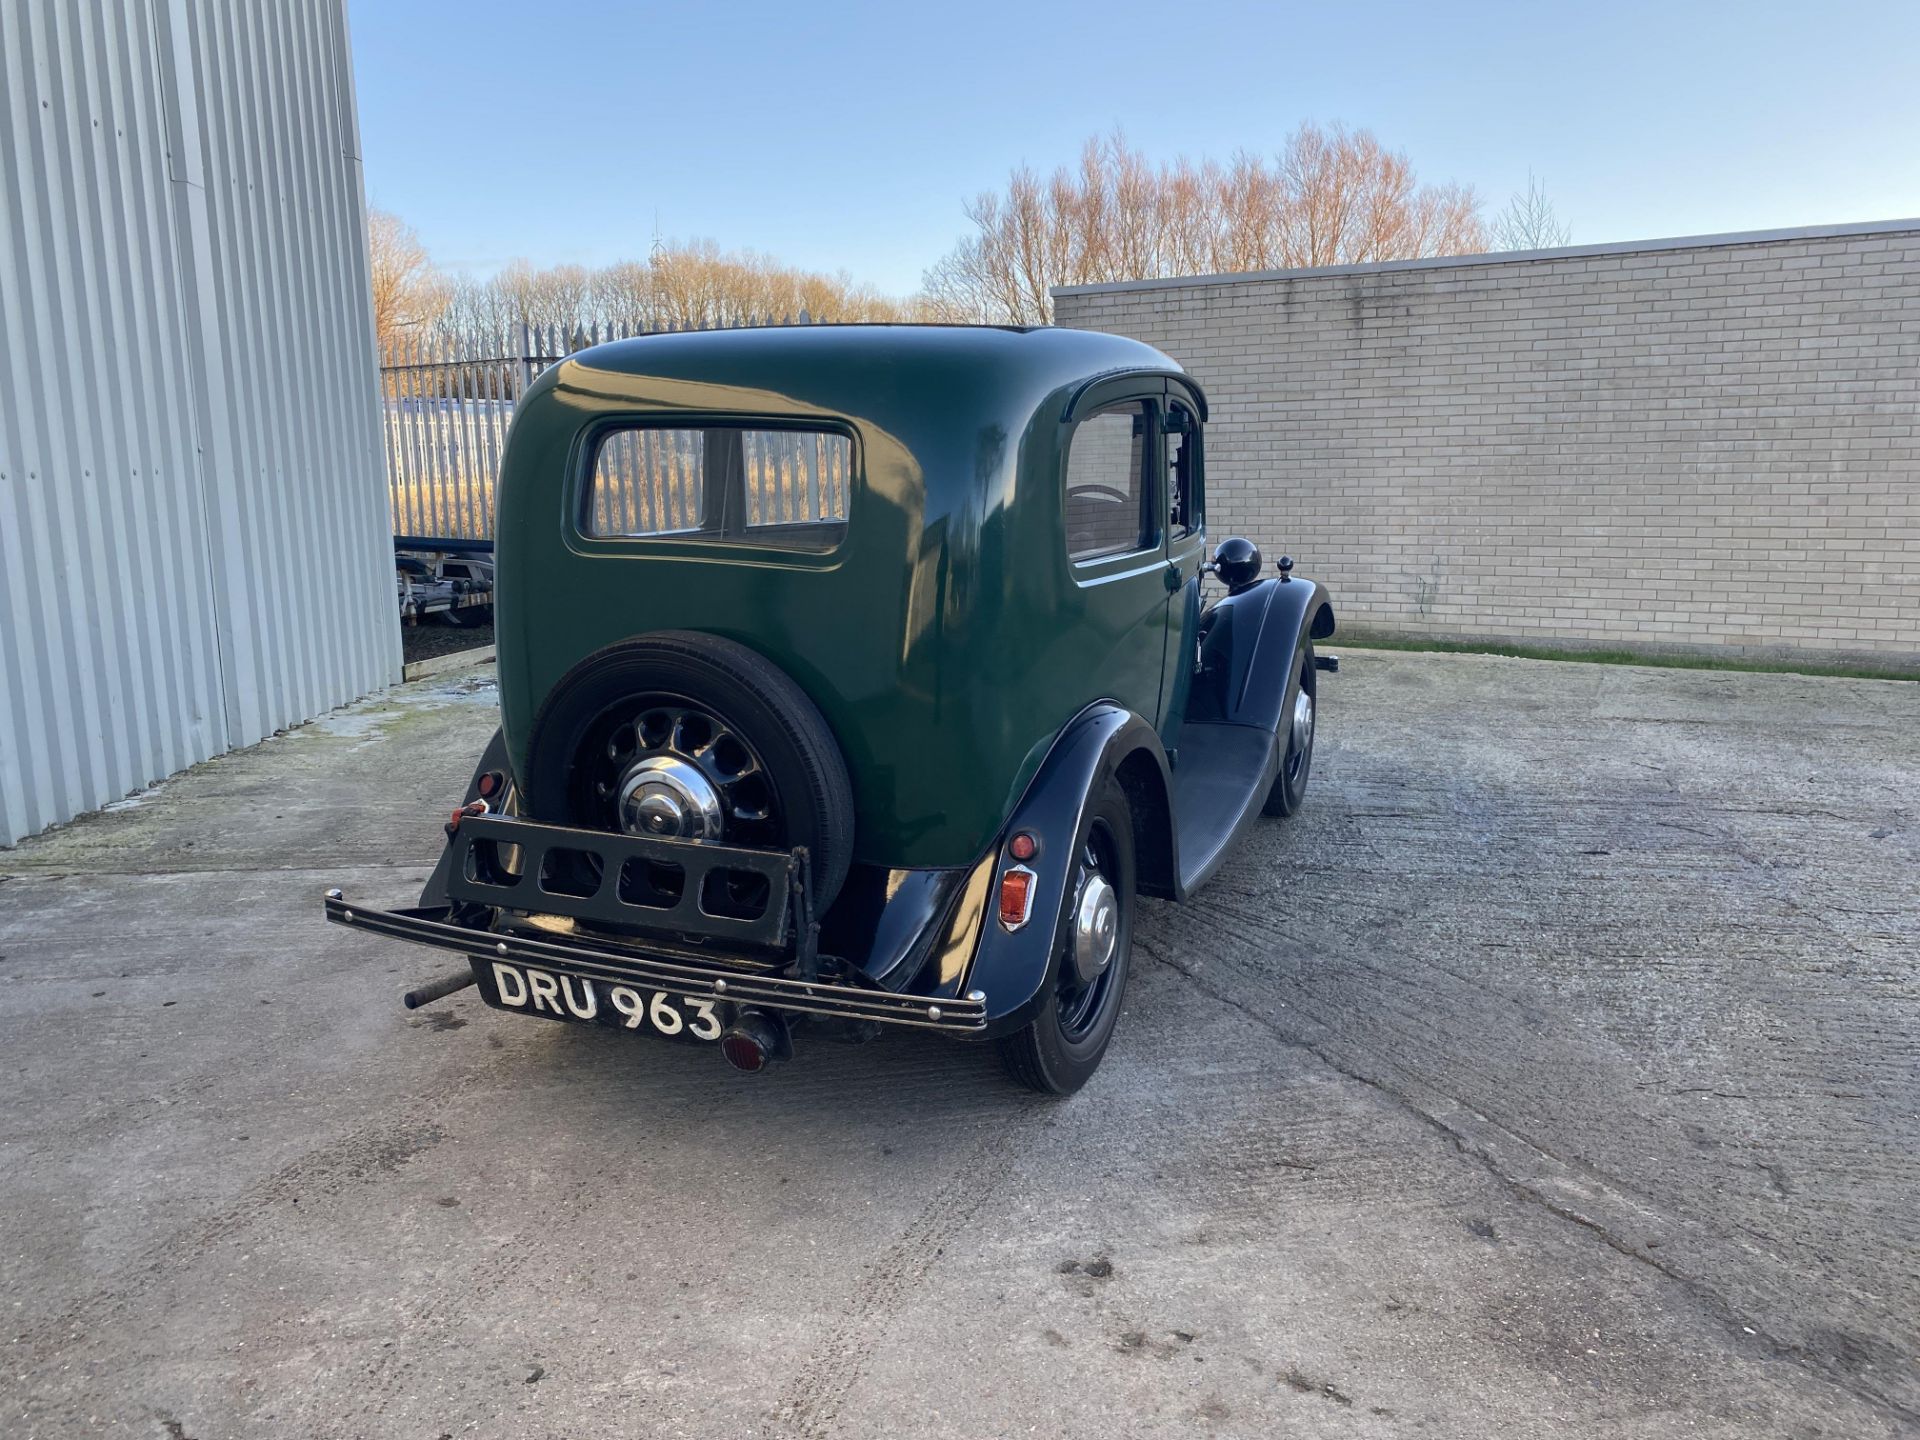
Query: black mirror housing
[1237,562]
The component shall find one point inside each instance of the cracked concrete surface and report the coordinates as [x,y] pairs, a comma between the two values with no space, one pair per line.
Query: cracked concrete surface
[1553,1074]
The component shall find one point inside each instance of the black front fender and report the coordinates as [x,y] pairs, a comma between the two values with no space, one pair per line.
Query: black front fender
[1104,742]
[1248,644]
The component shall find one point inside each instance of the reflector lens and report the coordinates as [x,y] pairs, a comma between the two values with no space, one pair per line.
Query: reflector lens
[743,1052]
[489,783]
[1022,846]
[1016,898]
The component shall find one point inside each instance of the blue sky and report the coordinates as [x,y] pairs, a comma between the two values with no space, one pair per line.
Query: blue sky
[847,136]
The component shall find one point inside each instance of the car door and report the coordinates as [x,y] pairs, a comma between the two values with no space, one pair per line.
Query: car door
[1184,550]
[1115,509]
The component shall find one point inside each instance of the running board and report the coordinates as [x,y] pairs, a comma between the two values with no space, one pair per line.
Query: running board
[1224,775]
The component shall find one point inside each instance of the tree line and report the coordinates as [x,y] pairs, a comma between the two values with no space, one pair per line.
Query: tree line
[1329,196]
[680,286]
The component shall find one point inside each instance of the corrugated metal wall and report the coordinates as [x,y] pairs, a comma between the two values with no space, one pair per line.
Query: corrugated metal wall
[194,548]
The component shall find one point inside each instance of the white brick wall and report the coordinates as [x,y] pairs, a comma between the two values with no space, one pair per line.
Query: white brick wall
[1708,444]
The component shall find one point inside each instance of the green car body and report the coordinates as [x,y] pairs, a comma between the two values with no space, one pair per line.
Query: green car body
[947,637]
[860,676]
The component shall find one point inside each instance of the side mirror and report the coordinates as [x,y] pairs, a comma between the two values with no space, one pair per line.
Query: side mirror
[1237,562]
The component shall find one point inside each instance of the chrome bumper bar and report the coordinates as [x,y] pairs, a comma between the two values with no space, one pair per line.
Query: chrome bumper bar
[693,979]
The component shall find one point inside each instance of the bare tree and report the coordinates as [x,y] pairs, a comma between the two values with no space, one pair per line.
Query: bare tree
[408,293]
[1332,196]
[623,292]
[556,297]
[479,314]
[1529,221]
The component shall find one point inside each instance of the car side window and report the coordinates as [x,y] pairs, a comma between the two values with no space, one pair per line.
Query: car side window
[1109,495]
[1184,482]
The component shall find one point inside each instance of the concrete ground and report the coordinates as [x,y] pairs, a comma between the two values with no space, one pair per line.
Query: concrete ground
[1555,1073]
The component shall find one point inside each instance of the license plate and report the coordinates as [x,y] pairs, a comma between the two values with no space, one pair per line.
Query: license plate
[558,996]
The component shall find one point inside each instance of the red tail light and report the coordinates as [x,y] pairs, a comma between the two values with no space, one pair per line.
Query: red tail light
[744,1052]
[754,1041]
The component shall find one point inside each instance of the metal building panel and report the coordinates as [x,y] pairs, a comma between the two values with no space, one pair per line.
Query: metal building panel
[193,541]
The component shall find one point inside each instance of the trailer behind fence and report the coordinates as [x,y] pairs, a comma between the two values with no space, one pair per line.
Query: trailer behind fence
[447,406]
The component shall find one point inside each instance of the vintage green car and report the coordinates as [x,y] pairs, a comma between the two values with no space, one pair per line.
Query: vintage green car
[861,676]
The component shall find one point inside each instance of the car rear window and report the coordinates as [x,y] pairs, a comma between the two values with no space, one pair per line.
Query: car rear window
[784,488]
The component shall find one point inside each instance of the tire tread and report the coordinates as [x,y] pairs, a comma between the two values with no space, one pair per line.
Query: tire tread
[1020,1053]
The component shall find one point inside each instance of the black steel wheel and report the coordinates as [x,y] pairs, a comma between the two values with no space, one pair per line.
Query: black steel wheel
[685,735]
[677,738]
[1289,790]
[1064,1043]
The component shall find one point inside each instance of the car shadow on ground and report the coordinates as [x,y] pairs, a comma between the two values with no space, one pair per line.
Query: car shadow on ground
[899,1074]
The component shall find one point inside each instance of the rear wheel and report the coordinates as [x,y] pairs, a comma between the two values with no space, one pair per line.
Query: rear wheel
[1289,790]
[680,734]
[1063,1045]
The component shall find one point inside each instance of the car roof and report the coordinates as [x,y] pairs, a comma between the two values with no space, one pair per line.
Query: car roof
[841,367]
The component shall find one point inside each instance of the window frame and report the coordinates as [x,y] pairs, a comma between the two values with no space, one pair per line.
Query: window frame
[1152,462]
[776,539]
[1193,453]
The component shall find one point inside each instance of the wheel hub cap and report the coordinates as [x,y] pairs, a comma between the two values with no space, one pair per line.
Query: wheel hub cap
[1096,928]
[669,798]
[1302,722]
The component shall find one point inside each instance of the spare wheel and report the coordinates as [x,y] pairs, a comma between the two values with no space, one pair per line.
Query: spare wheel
[686,735]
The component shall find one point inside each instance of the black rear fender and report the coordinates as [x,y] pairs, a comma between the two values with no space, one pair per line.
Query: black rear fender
[1104,742]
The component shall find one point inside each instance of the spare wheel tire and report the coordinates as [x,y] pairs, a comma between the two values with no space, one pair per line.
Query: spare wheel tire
[683,734]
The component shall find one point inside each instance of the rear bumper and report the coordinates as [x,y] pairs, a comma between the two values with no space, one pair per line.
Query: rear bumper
[686,975]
